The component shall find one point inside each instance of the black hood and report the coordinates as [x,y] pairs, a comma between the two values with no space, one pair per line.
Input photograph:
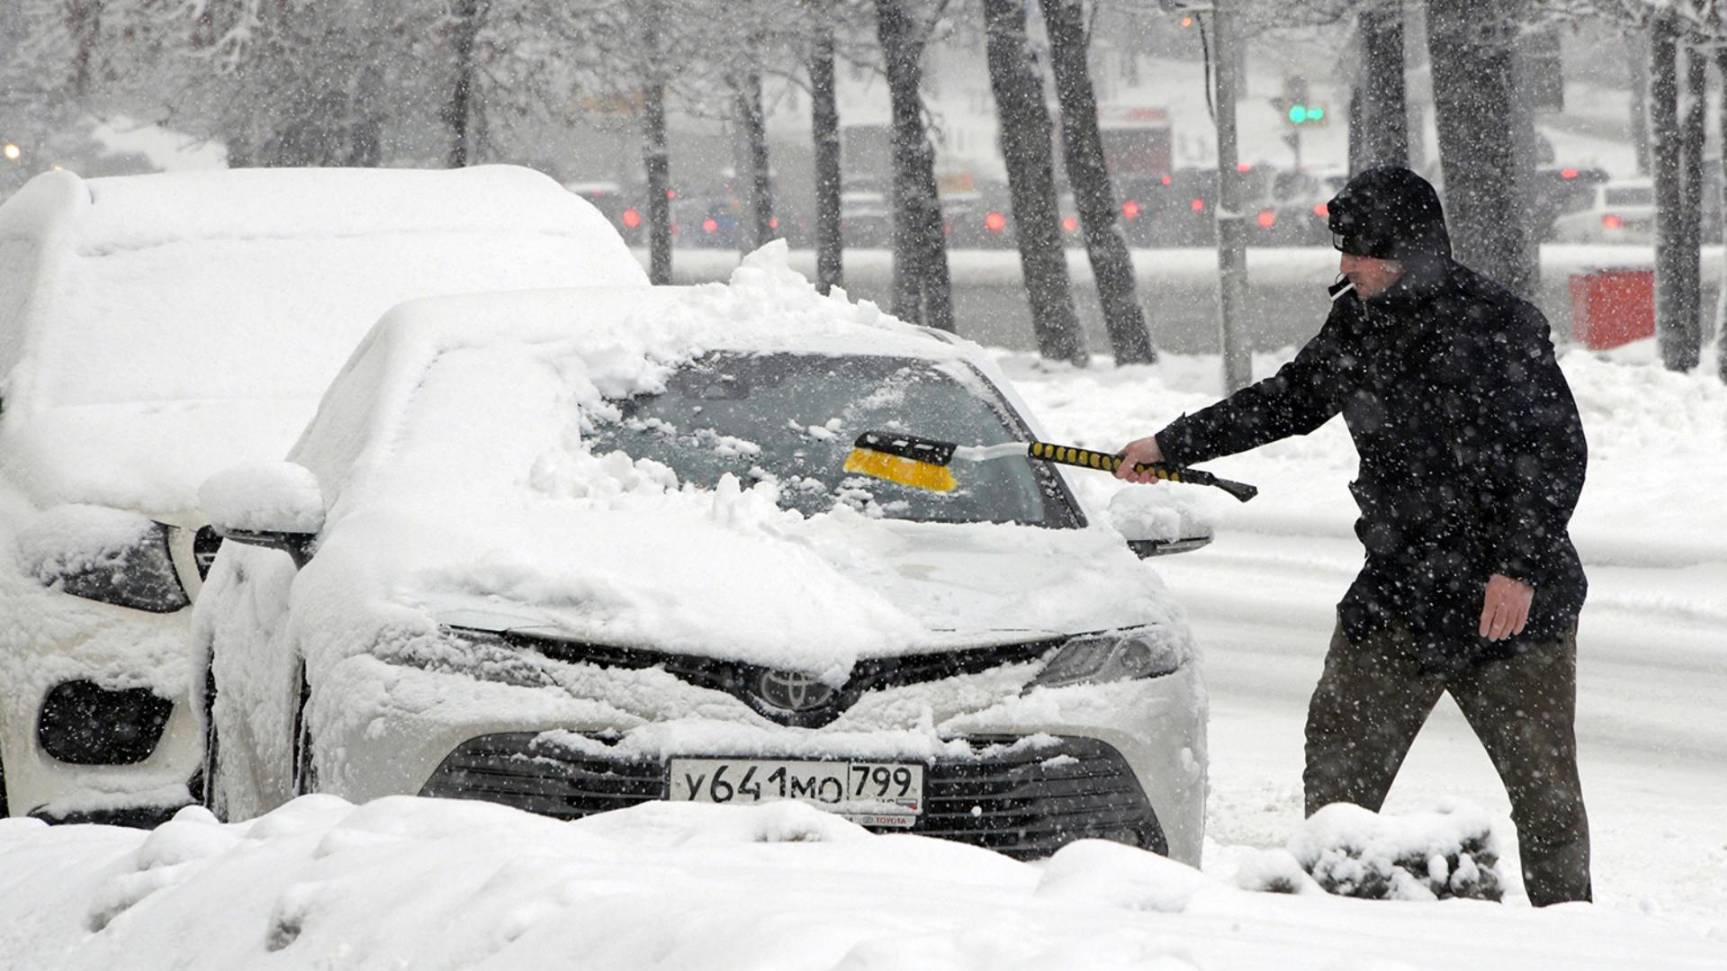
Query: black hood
[1389,213]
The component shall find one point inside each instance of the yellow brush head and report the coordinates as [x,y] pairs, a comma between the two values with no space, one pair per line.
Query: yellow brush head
[906,472]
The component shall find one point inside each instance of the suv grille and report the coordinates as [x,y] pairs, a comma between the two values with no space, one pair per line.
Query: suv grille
[1025,804]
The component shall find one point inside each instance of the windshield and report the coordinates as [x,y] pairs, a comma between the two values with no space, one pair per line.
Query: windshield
[793,417]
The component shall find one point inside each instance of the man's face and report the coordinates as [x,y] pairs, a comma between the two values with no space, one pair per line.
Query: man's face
[1370,276]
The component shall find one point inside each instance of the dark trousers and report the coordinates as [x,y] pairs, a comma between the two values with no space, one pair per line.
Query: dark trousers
[1374,697]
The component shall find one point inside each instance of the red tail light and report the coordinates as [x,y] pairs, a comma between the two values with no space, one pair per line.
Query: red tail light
[671,193]
[1244,167]
[1130,209]
[1568,174]
[1612,221]
[995,222]
[1070,224]
[1321,211]
[709,226]
[1167,180]
[1267,218]
[631,218]
[1198,205]
[773,222]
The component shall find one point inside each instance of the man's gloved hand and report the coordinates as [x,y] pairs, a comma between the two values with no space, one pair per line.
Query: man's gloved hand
[1505,608]
[1141,451]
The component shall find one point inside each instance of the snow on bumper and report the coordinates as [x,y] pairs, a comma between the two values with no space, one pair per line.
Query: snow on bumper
[384,727]
[52,639]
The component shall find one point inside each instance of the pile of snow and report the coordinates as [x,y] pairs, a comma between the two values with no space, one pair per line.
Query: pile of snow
[1354,852]
[433,884]
[171,325]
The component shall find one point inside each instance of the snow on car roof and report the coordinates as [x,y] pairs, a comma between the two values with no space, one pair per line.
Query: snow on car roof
[173,324]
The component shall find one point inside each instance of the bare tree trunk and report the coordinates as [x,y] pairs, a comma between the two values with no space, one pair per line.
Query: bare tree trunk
[922,290]
[1087,175]
[825,132]
[1638,49]
[1691,132]
[756,174]
[1721,295]
[1474,82]
[1675,333]
[84,23]
[458,112]
[1384,107]
[1030,158]
[656,158]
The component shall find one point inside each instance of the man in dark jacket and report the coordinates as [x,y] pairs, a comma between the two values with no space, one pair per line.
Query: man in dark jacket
[1472,458]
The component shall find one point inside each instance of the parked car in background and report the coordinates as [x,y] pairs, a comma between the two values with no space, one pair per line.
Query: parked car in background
[1558,190]
[622,208]
[1620,211]
[866,215]
[573,551]
[154,329]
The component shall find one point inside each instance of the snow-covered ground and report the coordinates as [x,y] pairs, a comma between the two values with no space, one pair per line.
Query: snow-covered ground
[426,884]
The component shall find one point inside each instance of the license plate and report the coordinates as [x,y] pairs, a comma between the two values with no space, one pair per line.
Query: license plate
[869,793]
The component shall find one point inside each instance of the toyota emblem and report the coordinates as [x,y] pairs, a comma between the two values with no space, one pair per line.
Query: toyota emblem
[790,691]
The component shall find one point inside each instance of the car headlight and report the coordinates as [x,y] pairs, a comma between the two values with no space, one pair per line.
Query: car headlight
[1118,655]
[109,555]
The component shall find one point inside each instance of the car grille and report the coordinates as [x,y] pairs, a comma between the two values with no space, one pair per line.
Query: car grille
[1025,802]
[743,681]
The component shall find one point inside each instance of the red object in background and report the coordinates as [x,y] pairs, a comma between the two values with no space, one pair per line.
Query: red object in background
[1198,205]
[710,226]
[1070,224]
[1130,209]
[631,218]
[773,222]
[1612,307]
[1568,174]
[1267,218]
[1321,210]
[1612,221]
[995,222]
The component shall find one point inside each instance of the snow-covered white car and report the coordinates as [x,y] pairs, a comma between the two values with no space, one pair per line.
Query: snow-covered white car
[572,551]
[155,329]
[1620,211]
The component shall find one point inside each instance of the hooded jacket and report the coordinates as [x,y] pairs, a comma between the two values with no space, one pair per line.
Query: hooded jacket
[1472,452]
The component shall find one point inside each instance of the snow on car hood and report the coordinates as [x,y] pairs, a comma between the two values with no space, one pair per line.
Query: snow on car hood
[462,484]
[727,573]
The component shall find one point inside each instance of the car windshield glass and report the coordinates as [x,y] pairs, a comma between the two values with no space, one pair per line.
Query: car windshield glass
[794,417]
[1634,196]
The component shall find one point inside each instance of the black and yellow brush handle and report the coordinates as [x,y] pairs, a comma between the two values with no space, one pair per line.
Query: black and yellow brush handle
[1086,458]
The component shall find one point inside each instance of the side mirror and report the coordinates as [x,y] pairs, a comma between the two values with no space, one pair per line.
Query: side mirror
[1158,521]
[276,505]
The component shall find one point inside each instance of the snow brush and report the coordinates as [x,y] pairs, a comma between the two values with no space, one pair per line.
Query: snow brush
[922,463]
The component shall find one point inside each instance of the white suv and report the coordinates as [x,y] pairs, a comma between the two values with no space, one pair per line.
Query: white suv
[154,329]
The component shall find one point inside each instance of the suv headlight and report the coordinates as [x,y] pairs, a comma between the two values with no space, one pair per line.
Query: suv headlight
[1118,655]
[110,555]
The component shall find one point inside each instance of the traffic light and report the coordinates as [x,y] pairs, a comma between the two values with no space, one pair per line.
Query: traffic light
[1297,108]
